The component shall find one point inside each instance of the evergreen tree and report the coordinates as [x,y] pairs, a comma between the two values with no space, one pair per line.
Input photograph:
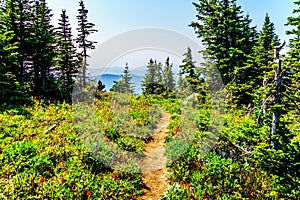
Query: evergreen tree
[18,18]
[66,53]
[188,70]
[229,39]
[293,61]
[150,82]
[168,80]
[124,85]
[12,92]
[263,53]
[85,28]
[43,49]
[281,110]
[259,68]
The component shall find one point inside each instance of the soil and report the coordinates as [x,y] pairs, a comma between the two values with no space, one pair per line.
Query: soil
[154,164]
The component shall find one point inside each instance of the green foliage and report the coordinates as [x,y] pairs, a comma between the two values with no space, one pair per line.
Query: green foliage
[67,61]
[55,164]
[124,85]
[259,69]
[159,79]
[168,78]
[84,29]
[229,40]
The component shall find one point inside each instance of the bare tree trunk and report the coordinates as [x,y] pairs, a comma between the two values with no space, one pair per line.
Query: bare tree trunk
[277,98]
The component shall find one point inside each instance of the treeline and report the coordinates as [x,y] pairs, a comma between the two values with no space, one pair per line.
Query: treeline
[38,59]
[259,82]
[160,79]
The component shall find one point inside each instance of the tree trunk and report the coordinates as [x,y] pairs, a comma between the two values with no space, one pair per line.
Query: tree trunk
[277,98]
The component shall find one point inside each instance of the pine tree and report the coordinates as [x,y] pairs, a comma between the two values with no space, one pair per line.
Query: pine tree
[66,53]
[85,28]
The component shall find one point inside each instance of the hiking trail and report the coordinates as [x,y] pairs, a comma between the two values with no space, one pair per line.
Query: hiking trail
[153,165]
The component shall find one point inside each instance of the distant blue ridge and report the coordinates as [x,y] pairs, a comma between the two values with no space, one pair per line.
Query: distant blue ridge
[108,81]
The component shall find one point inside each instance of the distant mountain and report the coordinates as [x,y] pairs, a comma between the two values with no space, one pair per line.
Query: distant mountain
[108,81]
[140,71]
[110,70]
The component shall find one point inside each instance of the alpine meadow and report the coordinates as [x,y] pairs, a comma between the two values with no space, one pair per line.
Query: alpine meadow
[175,132]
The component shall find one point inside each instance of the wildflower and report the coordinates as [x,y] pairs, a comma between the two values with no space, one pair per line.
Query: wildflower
[181,183]
[176,130]
[231,154]
[96,144]
[88,193]
[223,154]
[115,176]
[63,164]
[42,180]
[210,184]
[62,180]
[206,166]
[188,186]
[205,161]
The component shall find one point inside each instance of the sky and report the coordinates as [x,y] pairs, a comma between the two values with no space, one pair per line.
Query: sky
[116,17]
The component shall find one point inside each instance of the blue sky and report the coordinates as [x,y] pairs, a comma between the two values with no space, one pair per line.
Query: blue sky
[113,17]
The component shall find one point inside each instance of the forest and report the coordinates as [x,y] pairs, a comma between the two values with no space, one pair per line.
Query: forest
[64,135]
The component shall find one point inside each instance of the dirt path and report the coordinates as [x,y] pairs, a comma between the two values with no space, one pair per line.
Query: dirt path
[154,165]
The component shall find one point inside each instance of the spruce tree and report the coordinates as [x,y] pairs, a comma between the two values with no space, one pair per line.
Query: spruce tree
[229,39]
[168,80]
[12,92]
[282,156]
[260,67]
[293,60]
[149,83]
[124,85]
[18,18]
[66,53]
[85,28]
[43,50]
[188,69]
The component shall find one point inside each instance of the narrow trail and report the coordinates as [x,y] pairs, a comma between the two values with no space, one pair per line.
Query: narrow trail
[154,164]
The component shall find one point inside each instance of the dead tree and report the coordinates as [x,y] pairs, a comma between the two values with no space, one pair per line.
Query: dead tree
[276,97]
